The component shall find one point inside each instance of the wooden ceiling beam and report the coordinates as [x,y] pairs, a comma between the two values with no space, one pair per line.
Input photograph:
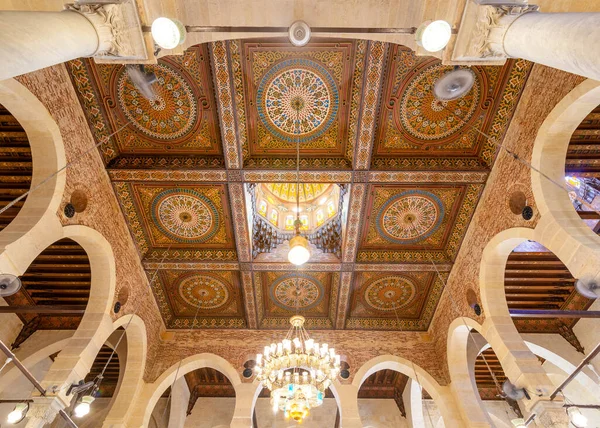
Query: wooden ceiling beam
[43,309]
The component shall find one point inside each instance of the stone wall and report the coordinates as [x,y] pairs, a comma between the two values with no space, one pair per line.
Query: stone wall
[54,89]
[543,90]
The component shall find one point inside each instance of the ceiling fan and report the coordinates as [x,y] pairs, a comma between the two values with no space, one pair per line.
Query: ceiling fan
[9,284]
[143,80]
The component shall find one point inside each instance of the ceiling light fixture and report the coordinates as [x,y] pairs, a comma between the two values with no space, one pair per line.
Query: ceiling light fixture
[168,33]
[299,250]
[577,418]
[18,414]
[297,371]
[433,36]
[299,33]
[83,407]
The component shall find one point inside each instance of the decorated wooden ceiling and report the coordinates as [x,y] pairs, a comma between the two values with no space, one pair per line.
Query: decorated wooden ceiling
[536,279]
[15,165]
[58,278]
[228,118]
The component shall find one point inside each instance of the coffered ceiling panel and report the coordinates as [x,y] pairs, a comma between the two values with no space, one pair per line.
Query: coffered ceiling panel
[285,93]
[190,222]
[416,131]
[416,223]
[179,128]
[213,298]
[394,300]
[282,294]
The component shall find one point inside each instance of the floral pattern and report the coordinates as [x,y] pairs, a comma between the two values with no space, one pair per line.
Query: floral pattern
[297,98]
[171,115]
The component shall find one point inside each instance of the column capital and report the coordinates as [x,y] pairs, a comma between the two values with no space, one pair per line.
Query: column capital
[43,411]
[482,29]
[551,414]
[119,29]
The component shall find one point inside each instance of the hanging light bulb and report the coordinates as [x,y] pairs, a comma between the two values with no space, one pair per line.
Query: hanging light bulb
[433,36]
[168,33]
[18,414]
[83,408]
[299,252]
[577,418]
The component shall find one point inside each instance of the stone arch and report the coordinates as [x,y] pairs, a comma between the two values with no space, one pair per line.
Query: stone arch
[48,155]
[566,366]
[462,382]
[519,363]
[441,395]
[96,324]
[152,392]
[560,229]
[135,363]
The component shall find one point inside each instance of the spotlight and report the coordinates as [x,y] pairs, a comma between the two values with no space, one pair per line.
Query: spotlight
[18,414]
[433,36]
[168,33]
[83,407]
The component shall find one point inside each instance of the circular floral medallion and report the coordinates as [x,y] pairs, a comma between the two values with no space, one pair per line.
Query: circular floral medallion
[171,115]
[301,291]
[410,216]
[426,118]
[390,293]
[185,215]
[204,291]
[297,98]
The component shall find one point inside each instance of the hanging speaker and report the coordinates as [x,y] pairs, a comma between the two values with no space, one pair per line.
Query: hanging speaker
[299,33]
[588,287]
[9,284]
[142,80]
[511,391]
[454,85]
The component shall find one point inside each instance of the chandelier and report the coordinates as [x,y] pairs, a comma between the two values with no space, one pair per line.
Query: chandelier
[297,371]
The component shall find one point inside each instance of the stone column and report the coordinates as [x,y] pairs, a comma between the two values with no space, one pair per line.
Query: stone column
[30,41]
[245,397]
[348,406]
[566,41]
[180,397]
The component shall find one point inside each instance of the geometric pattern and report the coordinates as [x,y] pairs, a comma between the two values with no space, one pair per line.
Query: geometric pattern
[403,300]
[178,222]
[415,131]
[296,291]
[297,100]
[416,224]
[213,298]
[183,119]
[283,294]
[285,94]
[228,113]
[410,216]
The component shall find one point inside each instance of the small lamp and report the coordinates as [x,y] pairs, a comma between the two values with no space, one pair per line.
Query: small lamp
[299,252]
[168,33]
[83,407]
[18,414]
[577,418]
[433,36]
